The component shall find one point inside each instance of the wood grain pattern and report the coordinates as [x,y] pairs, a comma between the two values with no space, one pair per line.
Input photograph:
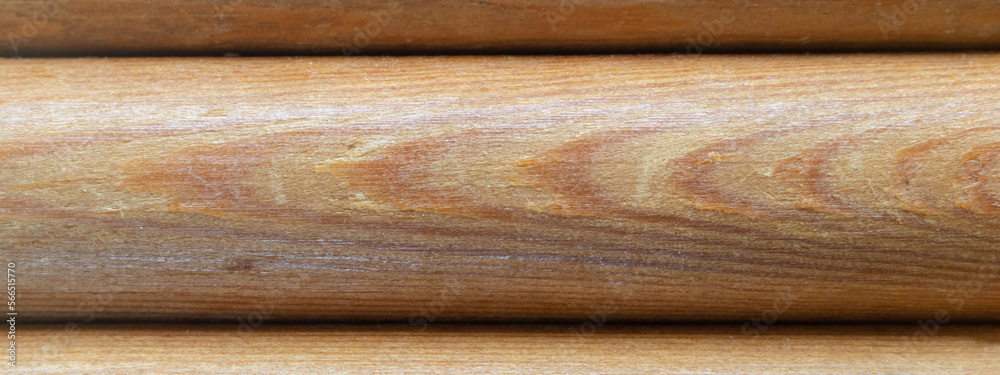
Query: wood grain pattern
[841,187]
[127,349]
[128,27]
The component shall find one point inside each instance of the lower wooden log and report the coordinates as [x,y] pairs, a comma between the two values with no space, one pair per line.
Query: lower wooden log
[278,349]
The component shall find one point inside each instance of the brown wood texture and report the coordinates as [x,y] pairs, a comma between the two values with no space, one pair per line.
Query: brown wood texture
[127,349]
[842,187]
[130,27]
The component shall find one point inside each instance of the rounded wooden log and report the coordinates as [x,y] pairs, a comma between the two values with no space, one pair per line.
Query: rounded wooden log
[128,27]
[346,349]
[837,187]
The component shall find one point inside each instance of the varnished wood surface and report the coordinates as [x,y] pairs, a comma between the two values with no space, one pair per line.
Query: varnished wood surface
[128,349]
[842,187]
[129,27]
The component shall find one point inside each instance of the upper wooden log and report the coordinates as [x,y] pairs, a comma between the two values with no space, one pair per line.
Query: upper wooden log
[348,27]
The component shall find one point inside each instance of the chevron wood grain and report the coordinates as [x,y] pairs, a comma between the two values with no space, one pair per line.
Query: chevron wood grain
[799,188]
